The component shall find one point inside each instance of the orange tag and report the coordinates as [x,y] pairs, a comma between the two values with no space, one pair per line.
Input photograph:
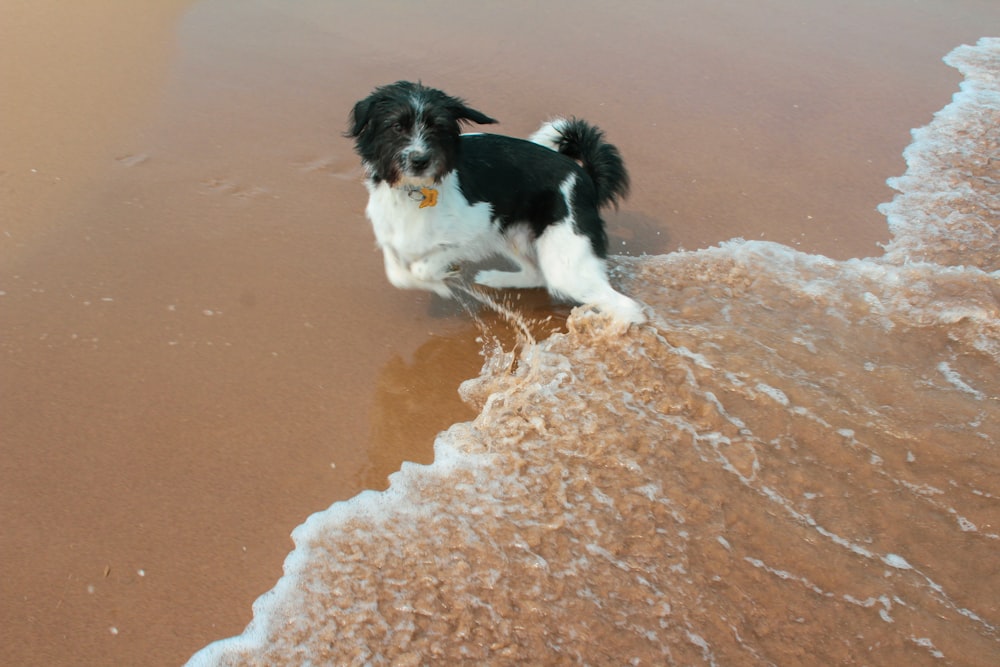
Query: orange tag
[430,197]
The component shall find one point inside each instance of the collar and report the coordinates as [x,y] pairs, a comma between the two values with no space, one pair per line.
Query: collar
[427,196]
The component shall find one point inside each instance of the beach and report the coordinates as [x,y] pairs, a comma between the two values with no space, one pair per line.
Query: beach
[199,349]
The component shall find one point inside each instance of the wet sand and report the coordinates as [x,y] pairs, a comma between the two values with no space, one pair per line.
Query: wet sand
[198,346]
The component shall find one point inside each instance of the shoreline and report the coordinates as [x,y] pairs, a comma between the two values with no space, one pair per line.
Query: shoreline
[188,373]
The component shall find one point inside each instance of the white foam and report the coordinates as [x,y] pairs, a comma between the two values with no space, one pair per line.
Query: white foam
[896,561]
[956,381]
[939,214]
[925,642]
[773,393]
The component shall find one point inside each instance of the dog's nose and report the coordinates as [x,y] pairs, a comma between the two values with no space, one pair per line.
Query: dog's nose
[419,161]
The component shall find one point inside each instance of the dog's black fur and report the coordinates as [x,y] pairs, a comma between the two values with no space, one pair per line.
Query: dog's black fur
[409,139]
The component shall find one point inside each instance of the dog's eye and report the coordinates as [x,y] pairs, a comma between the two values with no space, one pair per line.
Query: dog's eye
[398,128]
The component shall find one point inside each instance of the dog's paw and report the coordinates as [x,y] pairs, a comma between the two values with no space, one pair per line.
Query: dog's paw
[624,311]
[430,270]
[491,278]
[424,271]
[509,279]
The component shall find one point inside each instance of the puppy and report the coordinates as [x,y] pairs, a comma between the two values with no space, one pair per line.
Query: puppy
[439,198]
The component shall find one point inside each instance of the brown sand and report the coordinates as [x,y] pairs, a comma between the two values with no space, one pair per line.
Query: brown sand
[193,321]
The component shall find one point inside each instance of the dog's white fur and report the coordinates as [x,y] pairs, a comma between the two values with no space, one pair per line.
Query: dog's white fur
[424,246]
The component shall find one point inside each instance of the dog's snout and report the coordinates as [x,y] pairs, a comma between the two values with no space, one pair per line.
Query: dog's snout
[419,160]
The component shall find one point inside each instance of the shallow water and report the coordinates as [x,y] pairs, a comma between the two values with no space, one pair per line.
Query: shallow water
[797,462]
[198,347]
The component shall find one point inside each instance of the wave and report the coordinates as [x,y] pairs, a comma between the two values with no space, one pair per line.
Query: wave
[795,462]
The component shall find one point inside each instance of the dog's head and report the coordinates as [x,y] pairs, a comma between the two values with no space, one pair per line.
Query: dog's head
[407,133]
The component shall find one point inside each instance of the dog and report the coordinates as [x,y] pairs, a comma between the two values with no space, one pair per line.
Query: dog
[439,198]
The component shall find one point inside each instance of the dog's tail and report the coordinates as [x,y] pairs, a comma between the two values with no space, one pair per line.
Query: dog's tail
[585,143]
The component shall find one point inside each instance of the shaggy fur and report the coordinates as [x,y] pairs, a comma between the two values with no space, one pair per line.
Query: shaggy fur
[439,198]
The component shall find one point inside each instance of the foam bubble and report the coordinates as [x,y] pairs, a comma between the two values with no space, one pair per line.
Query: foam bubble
[896,561]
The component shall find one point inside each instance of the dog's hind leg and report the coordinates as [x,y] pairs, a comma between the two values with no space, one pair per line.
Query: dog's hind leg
[526,278]
[520,251]
[573,271]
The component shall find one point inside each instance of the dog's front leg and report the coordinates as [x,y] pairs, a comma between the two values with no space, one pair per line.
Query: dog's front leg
[396,271]
[435,266]
[405,277]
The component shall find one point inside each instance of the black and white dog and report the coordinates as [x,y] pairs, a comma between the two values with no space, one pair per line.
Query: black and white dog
[438,198]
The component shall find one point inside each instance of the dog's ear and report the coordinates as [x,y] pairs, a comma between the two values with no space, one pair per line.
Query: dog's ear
[467,114]
[360,117]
